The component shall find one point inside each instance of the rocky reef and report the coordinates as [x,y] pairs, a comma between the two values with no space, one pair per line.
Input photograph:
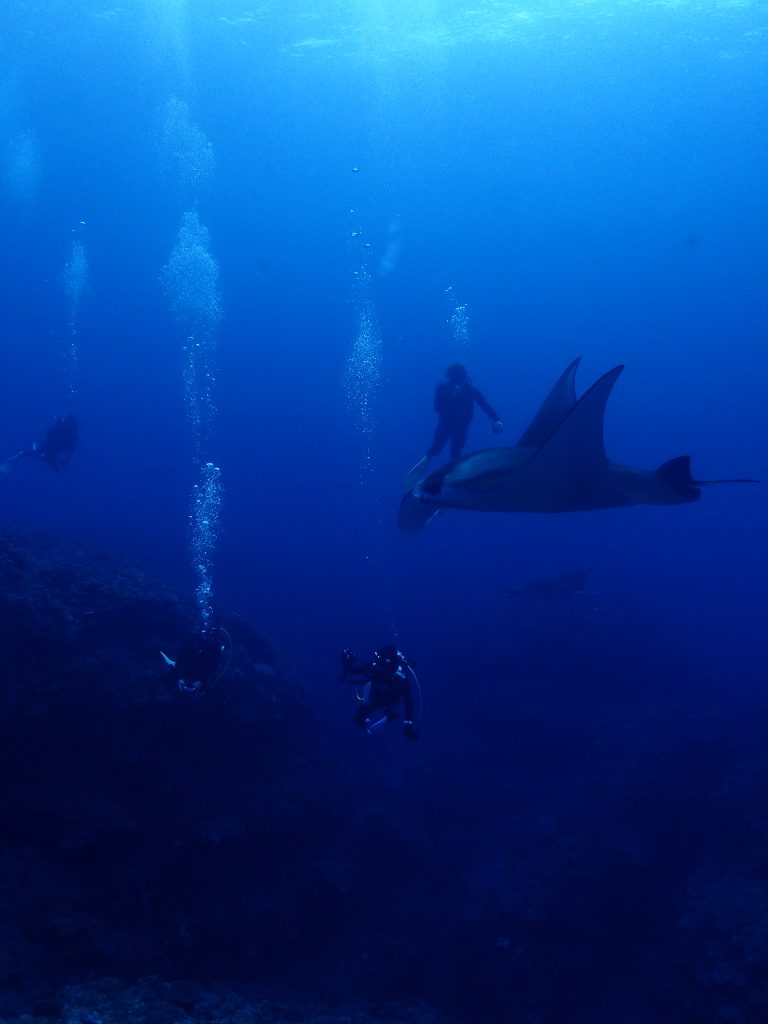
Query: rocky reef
[579,851]
[150,1000]
[146,831]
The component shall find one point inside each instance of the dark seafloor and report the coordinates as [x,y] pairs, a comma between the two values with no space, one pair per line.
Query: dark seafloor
[155,845]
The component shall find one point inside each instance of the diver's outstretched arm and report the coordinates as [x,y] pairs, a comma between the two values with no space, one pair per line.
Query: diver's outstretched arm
[351,669]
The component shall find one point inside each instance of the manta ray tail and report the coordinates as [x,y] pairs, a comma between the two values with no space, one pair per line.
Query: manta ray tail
[676,473]
[727,480]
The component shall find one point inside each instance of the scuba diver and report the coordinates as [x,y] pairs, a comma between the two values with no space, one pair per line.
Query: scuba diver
[455,399]
[386,680]
[57,447]
[197,665]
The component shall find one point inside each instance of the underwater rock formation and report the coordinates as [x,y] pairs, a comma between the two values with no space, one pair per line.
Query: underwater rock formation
[588,846]
[150,1000]
[144,830]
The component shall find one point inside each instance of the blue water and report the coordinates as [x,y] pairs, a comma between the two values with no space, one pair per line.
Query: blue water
[575,179]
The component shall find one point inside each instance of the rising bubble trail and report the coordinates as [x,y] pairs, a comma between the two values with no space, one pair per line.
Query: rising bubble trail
[204,531]
[74,277]
[187,155]
[458,319]
[363,370]
[191,282]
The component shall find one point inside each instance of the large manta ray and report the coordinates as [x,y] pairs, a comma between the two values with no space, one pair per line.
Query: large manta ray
[558,465]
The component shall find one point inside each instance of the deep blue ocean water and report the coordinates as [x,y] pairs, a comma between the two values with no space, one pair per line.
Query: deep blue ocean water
[388,187]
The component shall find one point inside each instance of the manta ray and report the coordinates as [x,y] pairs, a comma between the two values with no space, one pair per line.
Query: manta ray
[558,465]
[568,585]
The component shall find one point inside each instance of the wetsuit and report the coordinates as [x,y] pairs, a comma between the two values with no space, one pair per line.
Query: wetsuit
[60,441]
[387,683]
[455,405]
[198,660]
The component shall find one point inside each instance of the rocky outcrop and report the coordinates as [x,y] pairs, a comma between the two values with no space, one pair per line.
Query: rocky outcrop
[583,841]
[147,831]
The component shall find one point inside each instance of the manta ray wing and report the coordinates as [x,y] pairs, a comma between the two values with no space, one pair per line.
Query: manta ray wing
[555,407]
[570,470]
[579,438]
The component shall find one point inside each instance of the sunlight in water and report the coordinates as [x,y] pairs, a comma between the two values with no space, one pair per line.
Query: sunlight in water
[21,168]
[375,28]
[167,32]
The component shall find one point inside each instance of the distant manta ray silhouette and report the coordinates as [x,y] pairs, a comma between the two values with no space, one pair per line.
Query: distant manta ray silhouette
[558,465]
[568,585]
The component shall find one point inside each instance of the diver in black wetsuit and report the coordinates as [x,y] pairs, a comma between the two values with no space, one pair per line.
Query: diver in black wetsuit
[57,448]
[455,399]
[196,667]
[386,680]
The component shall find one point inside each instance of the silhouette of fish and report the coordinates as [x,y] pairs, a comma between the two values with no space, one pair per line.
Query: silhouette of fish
[571,583]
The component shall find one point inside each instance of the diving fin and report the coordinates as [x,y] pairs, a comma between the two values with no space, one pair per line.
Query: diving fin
[7,466]
[371,725]
[416,474]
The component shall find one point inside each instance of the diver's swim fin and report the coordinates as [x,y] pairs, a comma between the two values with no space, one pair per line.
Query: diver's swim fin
[7,466]
[417,474]
[372,725]
[168,661]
